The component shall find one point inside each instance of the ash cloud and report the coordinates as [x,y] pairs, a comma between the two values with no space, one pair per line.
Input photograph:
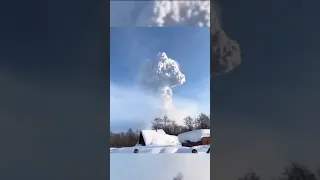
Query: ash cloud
[226,53]
[142,100]
[159,76]
[160,13]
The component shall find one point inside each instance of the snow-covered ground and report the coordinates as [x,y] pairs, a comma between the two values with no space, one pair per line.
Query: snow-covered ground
[161,149]
[159,167]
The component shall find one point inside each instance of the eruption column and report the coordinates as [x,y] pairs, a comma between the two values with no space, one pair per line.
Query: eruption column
[226,54]
[159,76]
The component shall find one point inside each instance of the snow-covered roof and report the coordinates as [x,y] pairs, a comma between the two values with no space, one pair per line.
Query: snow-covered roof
[159,137]
[194,136]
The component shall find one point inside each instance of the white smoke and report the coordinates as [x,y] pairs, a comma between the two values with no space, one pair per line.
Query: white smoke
[160,13]
[159,76]
[226,52]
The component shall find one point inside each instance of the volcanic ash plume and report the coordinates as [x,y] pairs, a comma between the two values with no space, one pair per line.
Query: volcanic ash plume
[160,13]
[226,53]
[159,76]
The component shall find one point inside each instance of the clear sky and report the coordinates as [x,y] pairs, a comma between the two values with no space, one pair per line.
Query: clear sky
[189,46]
[268,107]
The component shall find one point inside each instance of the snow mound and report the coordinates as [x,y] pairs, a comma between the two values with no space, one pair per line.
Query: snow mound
[194,136]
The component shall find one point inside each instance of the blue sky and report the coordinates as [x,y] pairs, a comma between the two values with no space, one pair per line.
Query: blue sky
[189,46]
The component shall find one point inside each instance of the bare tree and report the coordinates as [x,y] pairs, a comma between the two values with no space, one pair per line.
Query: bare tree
[250,176]
[166,121]
[203,121]
[189,122]
[298,171]
[157,123]
[176,129]
[295,171]
[124,139]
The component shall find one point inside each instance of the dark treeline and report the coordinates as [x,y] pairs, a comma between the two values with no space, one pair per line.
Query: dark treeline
[131,137]
[295,171]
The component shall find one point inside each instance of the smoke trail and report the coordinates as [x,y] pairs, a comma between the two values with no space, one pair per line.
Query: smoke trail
[159,76]
[226,53]
[160,13]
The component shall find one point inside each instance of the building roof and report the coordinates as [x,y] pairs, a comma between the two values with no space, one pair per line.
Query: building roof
[157,138]
[193,136]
